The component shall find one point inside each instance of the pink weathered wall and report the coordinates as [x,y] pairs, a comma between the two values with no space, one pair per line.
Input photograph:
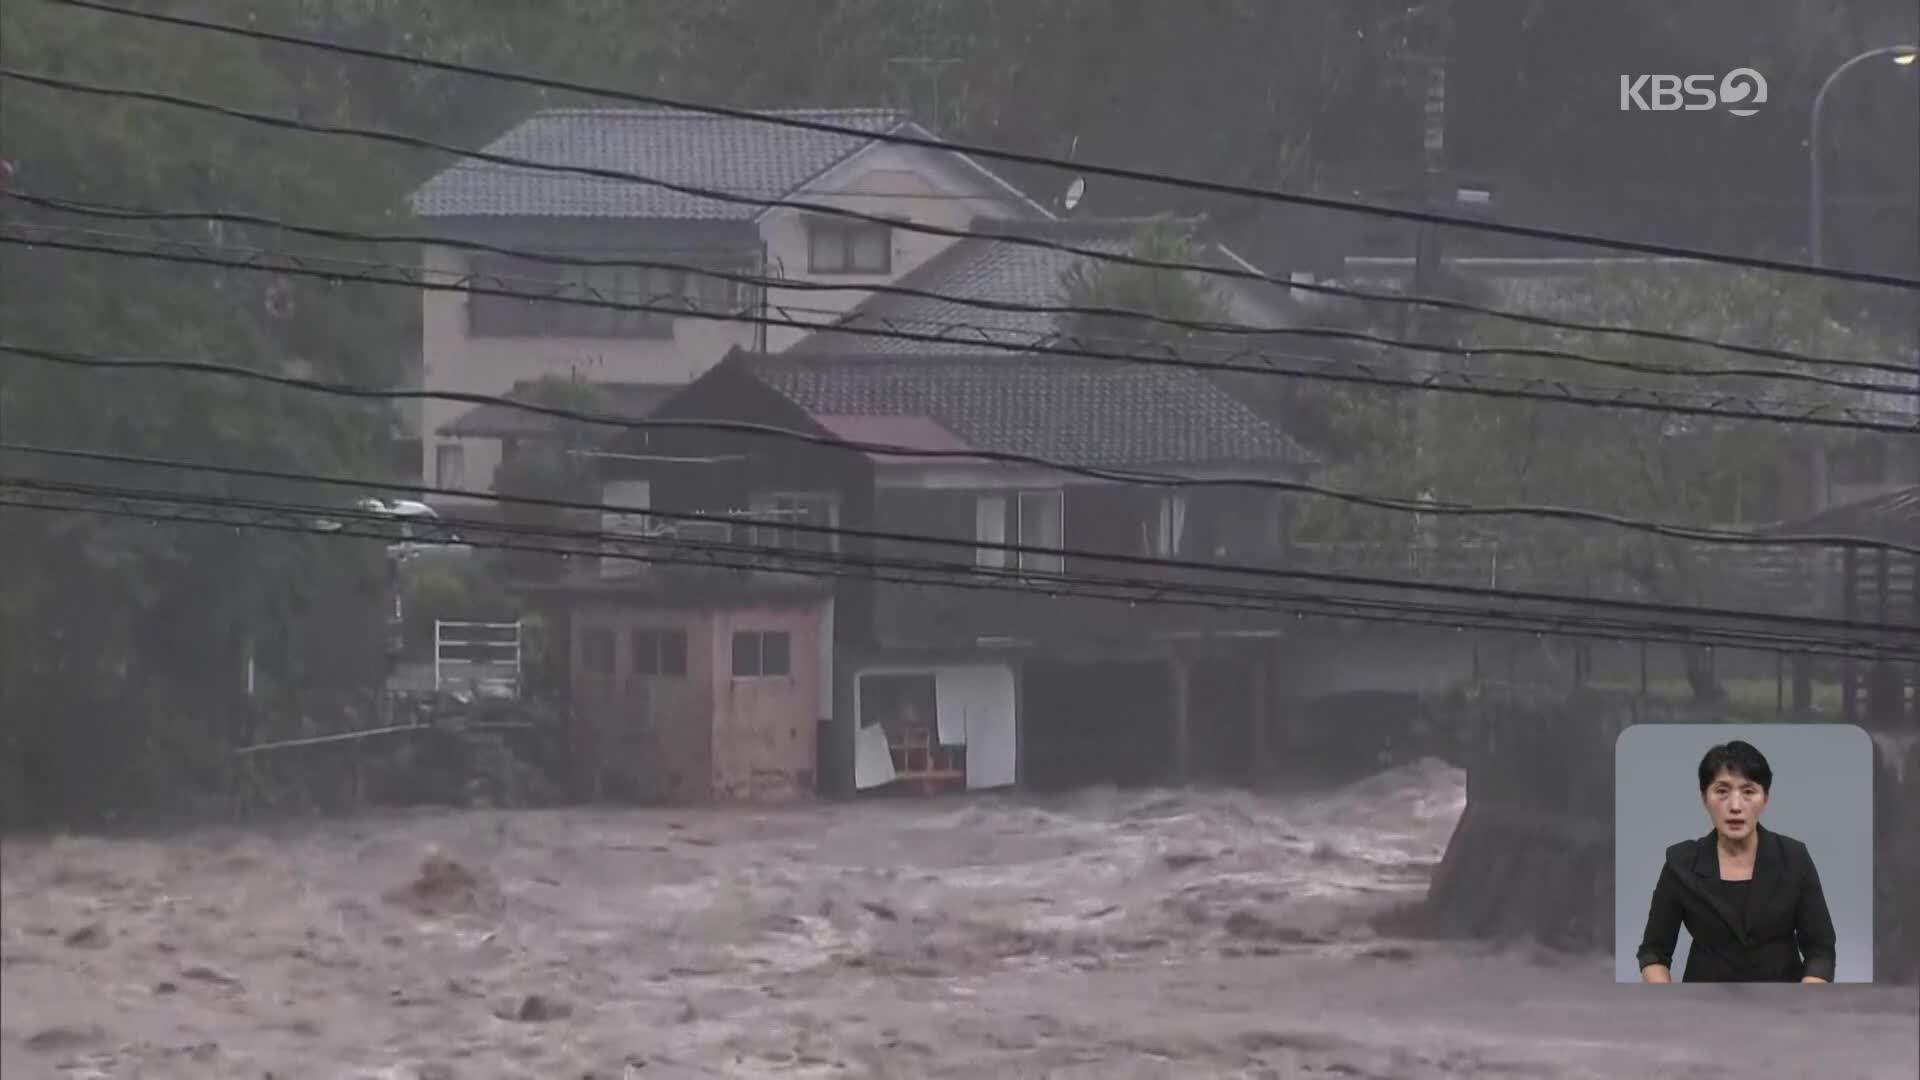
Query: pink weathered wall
[654,729]
[764,745]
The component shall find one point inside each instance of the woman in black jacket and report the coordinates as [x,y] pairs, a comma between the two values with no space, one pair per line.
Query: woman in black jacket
[1749,896]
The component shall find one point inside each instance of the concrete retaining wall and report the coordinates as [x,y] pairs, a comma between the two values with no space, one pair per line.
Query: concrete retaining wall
[1533,853]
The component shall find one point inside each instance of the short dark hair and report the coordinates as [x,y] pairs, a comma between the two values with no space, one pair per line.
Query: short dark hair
[1739,758]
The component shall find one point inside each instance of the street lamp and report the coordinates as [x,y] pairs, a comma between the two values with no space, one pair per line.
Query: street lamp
[1903,55]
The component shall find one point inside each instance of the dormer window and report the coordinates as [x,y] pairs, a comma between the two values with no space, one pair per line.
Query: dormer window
[848,247]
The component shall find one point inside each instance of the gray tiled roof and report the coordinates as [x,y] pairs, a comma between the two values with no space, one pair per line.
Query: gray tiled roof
[985,268]
[741,156]
[499,420]
[1074,411]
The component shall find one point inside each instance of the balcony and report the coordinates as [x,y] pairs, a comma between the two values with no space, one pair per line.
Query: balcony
[1096,603]
[715,552]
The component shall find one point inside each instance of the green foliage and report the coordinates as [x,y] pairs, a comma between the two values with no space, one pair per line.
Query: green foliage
[1631,463]
[124,675]
[121,670]
[453,588]
[553,467]
[1169,294]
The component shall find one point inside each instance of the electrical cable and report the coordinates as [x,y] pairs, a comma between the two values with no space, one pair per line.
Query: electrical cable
[1245,274]
[1344,370]
[1086,168]
[1330,333]
[1446,622]
[327,520]
[1264,572]
[1297,487]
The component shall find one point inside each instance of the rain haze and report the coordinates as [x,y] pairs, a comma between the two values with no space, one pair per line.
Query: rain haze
[945,538]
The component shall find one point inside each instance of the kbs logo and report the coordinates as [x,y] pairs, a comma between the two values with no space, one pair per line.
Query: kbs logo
[1738,91]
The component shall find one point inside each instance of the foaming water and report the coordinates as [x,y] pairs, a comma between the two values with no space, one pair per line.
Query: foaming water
[1107,933]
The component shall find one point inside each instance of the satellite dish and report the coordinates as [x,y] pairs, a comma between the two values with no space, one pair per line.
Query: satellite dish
[1075,192]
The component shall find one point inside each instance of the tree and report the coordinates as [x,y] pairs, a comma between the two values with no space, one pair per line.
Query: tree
[552,467]
[125,675]
[1632,463]
[1117,287]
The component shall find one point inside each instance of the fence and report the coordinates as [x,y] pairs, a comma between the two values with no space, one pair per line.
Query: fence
[1755,684]
[1775,578]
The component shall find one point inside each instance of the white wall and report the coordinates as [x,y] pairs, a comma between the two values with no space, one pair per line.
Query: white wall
[873,181]
[890,181]
[456,361]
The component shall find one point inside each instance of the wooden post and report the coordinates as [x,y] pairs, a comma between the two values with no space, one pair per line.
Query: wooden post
[1260,716]
[1882,572]
[1913,595]
[1779,683]
[1849,607]
[1179,726]
[1802,686]
[1885,678]
[1022,772]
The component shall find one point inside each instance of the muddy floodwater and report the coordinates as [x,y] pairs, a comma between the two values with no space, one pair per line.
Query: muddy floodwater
[1101,934]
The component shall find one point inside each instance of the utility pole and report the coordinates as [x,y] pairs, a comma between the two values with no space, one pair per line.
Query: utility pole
[1434,37]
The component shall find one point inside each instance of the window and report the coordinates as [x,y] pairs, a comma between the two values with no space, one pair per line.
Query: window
[492,315]
[805,508]
[1042,524]
[1170,535]
[450,465]
[626,500]
[659,652]
[1038,521]
[710,293]
[836,247]
[990,527]
[596,650]
[759,653]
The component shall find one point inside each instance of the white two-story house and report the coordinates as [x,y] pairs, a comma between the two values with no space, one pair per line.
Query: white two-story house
[478,343]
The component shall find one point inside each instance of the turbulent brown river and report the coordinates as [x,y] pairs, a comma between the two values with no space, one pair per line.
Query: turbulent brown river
[1104,934]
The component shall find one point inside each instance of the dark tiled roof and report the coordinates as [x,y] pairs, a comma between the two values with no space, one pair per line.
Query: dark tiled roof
[1076,412]
[988,269]
[740,156]
[495,420]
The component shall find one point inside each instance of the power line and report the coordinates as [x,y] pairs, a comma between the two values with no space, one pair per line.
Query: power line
[1413,617]
[119,212]
[1279,573]
[1349,371]
[249,513]
[1128,259]
[1154,479]
[1198,184]
[1391,503]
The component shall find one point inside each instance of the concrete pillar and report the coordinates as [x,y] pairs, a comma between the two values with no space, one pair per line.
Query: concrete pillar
[1180,727]
[837,771]
[1022,770]
[1260,716]
[1287,715]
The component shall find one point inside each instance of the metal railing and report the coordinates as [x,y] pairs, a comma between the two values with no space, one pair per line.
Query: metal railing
[483,658]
